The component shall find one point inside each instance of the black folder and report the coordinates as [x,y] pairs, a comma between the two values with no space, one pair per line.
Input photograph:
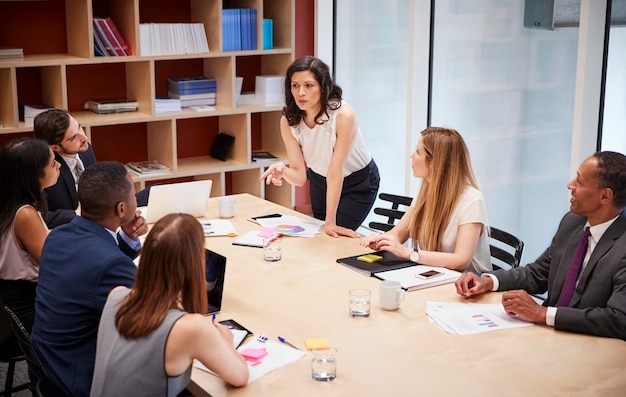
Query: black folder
[389,262]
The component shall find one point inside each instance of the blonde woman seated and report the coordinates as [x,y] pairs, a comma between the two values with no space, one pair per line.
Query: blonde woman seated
[447,221]
[149,335]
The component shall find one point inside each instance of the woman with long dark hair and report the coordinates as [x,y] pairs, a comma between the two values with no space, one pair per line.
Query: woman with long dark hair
[325,145]
[27,166]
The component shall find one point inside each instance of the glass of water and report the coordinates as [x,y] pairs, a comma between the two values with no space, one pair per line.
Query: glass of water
[324,364]
[272,248]
[360,302]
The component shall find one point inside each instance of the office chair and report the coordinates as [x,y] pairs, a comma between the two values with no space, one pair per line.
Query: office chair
[507,251]
[392,214]
[37,365]
[10,353]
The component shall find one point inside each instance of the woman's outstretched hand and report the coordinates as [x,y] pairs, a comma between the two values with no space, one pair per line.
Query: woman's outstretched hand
[274,174]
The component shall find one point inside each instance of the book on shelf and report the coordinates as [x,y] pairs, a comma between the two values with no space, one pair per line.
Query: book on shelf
[191,85]
[28,112]
[186,103]
[417,277]
[108,40]
[172,38]
[11,52]
[268,34]
[107,106]
[262,156]
[239,29]
[148,167]
[165,105]
[183,97]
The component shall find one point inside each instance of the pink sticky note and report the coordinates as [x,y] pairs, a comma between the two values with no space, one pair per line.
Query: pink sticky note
[254,355]
[266,232]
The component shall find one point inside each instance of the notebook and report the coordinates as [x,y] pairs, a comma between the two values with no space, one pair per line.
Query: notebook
[184,197]
[409,277]
[389,262]
[215,269]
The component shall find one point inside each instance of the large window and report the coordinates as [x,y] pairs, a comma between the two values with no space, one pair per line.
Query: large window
[614,118]
[372,64]
[509,90]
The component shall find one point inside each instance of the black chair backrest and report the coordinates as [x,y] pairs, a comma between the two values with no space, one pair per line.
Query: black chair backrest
[37,365]
[503,240]
[393,214]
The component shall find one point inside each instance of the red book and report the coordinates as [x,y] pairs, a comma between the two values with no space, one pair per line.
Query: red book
[109,37]
[118,36]
[101,31]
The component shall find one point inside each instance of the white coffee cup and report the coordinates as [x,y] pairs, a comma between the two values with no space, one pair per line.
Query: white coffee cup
[391,294]
[226,206]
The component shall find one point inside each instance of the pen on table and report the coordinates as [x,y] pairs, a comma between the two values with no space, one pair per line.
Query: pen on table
[213,317]
[283,340]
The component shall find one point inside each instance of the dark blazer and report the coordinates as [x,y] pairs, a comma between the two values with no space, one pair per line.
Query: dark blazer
[62,197]
[80,264]
[598,306]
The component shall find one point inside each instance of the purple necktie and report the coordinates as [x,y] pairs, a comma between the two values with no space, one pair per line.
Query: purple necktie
[574,270]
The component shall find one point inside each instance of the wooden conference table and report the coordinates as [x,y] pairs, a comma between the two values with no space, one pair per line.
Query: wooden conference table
[391,353]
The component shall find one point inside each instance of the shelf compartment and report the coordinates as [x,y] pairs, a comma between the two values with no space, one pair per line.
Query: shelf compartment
[265,133]
[195,137]
[136,142]
[41,85]
[281,13]
[130,80]
[123,13]
[244,181]
[218,68]
[47,27]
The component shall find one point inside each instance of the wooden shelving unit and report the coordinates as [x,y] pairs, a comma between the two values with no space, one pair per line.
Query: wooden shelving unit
[60,69]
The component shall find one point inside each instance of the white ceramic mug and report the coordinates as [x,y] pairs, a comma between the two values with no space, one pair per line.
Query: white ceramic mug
[391,294]
[226,206]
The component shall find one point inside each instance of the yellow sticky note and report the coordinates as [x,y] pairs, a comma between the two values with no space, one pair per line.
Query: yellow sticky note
[311,343]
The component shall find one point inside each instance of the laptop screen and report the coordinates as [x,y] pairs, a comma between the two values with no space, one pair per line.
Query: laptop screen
[215,269]
[184,197]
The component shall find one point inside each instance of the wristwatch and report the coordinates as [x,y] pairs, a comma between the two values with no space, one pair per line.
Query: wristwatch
[414,257]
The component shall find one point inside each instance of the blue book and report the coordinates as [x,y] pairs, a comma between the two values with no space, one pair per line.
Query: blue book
[237,29]
[253,36]
[227,33]
[268,34]
[191,83]
[245,28]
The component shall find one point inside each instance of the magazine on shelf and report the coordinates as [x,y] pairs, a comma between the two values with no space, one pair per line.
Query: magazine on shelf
[148,167]
[263,156]
[111,106]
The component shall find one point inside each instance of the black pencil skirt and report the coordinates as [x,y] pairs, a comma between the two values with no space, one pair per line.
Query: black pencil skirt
[358,194]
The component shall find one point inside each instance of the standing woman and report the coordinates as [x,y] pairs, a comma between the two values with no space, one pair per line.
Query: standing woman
[149,335]
[321,132]
[27,166]
[447,221]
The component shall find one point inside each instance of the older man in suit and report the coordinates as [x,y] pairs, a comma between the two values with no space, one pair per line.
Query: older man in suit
[584,268]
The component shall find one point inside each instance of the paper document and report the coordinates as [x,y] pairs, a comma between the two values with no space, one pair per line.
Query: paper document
[278,355]
[218,227]
[471,318]
[289,225]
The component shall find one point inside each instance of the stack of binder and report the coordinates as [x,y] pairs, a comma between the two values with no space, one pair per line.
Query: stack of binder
[193,90]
